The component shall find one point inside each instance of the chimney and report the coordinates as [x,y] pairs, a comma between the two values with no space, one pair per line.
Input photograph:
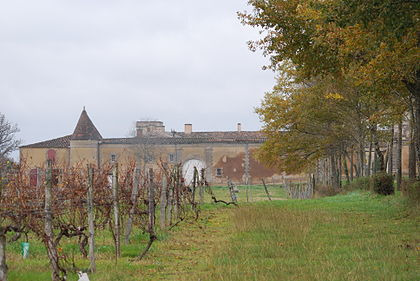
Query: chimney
[239,127]
[187,129]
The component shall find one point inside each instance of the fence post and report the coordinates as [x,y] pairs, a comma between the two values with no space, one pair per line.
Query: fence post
[91,220]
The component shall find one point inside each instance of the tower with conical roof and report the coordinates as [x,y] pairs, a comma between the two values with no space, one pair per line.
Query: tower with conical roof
[85,130]
[85,141]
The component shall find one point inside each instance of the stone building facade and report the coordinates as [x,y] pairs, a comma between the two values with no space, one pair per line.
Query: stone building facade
[223,155]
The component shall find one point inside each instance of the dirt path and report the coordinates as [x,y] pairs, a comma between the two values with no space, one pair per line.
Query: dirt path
[189,249]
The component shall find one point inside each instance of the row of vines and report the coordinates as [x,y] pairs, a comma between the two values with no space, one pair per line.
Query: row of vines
[80,201]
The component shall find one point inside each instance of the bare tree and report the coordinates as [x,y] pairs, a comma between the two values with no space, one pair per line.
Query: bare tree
[8,143]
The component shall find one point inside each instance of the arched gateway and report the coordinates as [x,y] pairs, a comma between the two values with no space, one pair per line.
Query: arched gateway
[188,169]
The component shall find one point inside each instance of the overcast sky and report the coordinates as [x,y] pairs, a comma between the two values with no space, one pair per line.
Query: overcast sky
[182,61]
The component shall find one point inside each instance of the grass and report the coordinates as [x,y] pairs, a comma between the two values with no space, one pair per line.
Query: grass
[256,193]
[184,250]
[356,236]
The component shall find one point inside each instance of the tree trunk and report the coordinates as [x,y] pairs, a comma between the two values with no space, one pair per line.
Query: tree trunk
[91,221]
[346,170]
[361,159]
[399,156]
[391,153]
[379,158]
[115,202]
[412,160]
[369,165]
[412,148]
[417,125]
[351,165]
[414,88]
[334,172]
[3,265]
[340,170]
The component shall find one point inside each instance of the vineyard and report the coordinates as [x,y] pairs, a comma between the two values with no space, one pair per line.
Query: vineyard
[82,218]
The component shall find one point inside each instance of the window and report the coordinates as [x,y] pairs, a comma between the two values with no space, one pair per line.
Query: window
[113,157]
[51,155]
[149,157]
[171,157]
[219,172]
[33,175]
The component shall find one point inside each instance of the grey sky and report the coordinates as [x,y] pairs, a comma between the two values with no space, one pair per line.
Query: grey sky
[182,61]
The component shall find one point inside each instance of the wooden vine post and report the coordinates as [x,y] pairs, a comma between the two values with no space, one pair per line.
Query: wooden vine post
[266,189]
[169,200]
[163,203]
[91,220]
[151,212]
[115,201]
[133,199]
[48,226]
[202,184]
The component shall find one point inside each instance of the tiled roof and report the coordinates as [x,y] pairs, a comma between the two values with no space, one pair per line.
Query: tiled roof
[177,138]
[194,138]
[85,130]
[62,142]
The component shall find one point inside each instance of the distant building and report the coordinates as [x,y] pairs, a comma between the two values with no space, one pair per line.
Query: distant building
[222,154]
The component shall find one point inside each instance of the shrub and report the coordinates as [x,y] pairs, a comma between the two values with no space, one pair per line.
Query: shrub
[382,183]
[411,190]
[358,183]
[324,190]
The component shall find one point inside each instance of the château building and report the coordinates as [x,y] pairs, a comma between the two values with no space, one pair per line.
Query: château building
[229,154]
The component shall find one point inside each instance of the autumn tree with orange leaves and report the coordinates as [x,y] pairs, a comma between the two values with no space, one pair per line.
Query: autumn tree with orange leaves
[348,72]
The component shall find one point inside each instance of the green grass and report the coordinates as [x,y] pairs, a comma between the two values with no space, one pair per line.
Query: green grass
[357,236]
[256,193]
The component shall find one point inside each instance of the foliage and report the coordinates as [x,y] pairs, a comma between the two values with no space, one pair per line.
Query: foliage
[411,190]
[382,183]
[325,190]
[362,183]
[347,71]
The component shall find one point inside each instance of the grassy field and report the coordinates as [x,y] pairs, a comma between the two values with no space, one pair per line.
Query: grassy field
[357,236]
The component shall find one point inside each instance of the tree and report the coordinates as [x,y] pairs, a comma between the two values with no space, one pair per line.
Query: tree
[8,143]
[365,52]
